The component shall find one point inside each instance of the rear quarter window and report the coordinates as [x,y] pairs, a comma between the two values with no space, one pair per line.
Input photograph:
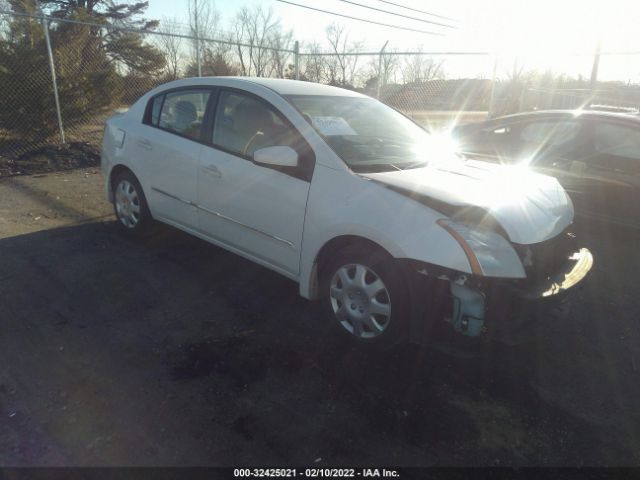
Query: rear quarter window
[156,106]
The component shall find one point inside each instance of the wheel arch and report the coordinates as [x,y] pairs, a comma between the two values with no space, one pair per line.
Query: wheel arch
[113,174]
[327,249]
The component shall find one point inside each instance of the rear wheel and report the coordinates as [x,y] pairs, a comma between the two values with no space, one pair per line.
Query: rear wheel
[130,204]
[366,297]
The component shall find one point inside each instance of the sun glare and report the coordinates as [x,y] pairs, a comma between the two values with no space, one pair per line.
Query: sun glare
[561,36]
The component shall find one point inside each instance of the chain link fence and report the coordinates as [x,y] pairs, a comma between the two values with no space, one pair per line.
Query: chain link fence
[62,78]
[439,89]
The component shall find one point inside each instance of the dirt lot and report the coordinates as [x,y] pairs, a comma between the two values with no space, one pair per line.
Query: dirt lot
[173,352]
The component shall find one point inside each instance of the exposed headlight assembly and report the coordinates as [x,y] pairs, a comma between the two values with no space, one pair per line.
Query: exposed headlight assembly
[488,252]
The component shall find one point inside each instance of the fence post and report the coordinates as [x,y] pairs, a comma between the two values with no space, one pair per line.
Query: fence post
[52,67]
[380,70]
[296,53]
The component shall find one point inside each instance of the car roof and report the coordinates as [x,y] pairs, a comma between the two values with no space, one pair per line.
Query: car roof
[278,85]
[298,87]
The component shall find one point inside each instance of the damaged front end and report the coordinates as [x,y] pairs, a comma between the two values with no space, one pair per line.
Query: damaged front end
[510,223]
[476,304]
[469,309]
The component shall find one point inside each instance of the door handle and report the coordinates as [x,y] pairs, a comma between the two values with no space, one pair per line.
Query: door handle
[212,170]
[144,143]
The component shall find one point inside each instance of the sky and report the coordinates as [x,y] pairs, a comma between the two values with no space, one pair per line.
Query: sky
[542,33]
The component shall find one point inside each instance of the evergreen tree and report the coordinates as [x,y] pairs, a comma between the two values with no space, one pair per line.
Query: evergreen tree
[95,65]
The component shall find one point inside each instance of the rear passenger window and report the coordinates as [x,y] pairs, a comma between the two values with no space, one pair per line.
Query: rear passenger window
[182,112]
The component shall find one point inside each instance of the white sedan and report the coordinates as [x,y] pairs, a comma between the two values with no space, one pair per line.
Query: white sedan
[364,209]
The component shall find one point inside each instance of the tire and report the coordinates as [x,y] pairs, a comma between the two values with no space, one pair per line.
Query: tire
[130,205]
[366,298]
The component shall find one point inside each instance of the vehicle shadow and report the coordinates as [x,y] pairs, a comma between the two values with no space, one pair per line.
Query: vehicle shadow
[223,341]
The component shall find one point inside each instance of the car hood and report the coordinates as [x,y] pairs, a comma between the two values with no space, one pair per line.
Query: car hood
[529,207]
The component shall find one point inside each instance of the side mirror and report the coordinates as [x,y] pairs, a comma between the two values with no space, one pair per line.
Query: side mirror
[280,156]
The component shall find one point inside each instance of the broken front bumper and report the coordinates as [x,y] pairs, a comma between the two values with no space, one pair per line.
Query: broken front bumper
[480,300]
[573,272]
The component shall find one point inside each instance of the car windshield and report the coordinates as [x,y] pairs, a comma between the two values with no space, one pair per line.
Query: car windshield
[366,134]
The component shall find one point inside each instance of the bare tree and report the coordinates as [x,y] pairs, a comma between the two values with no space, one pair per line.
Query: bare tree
[254,30]
[240,35]
[390,63]
[282,44]
[265,25]
[420,68]
[338,37]
[331,74]
[203,22]
[341,67]
[353,61]
[171,46]
[315,66]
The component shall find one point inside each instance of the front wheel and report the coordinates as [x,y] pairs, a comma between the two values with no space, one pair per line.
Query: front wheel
[366,297]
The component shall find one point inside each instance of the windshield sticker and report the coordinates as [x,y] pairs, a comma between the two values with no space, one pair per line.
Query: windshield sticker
[332,126]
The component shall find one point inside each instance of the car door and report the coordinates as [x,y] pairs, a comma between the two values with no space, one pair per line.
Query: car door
[170,146]
[612,172]
[255,209]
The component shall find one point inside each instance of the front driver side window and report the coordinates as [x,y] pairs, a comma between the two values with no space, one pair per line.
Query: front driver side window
[244,124]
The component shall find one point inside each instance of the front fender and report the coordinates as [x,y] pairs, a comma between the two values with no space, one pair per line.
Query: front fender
[341,203]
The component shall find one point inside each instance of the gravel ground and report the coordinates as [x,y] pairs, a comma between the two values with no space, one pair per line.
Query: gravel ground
[170,351]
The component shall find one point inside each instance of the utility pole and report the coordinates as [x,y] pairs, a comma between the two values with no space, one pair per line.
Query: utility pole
[380,69]
[195,13]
